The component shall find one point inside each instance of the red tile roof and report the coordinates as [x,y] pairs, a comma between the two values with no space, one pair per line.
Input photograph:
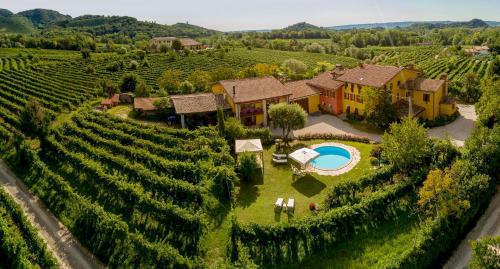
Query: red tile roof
[189,42]
[422,84]
[254,89]
[145,104]
[325,81]
[115,98]
[301,89]
[166,38]
[370,75]
[106,102]
[196,103]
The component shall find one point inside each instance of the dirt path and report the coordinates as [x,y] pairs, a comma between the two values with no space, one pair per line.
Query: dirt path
[488,224]
[66,249]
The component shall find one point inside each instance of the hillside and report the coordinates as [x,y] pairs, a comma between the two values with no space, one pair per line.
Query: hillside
[302,26]
[43,17]
[15,24]
[98,25]
[475,23]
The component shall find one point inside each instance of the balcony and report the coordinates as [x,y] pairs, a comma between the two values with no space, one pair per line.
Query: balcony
[250,112]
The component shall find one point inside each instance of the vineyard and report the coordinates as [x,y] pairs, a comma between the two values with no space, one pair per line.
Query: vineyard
[435,61]
[20,246]
[131,192]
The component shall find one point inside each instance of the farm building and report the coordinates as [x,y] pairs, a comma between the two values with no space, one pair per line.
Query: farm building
[250,98]
[186,43]
[197,109]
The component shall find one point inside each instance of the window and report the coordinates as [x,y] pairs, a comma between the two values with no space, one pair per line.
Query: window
[346,96]
[359,87]
[359,90]
[352,87]
[399,83]
[398,97]
[408,93]
[352,97]
[360,99]
[345,85]
[426,97]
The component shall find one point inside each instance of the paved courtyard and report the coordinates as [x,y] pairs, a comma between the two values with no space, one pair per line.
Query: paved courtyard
[458,130]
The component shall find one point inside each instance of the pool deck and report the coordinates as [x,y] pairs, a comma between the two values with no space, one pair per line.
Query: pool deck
[355,157]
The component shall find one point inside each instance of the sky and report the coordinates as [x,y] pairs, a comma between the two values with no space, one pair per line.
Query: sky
[227,15]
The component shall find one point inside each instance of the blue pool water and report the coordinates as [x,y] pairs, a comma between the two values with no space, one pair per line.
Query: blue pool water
[331,157]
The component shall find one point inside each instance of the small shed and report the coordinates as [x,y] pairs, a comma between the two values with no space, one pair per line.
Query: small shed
[250,145]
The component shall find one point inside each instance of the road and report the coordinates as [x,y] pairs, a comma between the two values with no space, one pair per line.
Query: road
[65,248]
[488,224]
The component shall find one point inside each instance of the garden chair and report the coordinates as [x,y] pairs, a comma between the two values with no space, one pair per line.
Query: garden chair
[298,172]
[278,205]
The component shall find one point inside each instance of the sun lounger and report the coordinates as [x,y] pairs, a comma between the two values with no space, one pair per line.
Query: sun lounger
[280,160]
[278,205]
[290,206]
[280,155]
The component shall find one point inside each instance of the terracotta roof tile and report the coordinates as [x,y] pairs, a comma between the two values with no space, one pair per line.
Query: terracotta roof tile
[196,103]
[106,102]
[189,42]
[422,84]
[115,98]
[166,38]
[325,81]
[254,89]
[146,104]
[301,89]
[370,75]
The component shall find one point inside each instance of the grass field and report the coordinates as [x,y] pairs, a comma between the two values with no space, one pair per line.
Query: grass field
[255,202]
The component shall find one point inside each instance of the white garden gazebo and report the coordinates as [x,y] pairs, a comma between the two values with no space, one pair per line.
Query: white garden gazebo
[303,156]
[250,145]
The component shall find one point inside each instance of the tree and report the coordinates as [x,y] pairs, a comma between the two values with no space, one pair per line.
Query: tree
[439,195]
[141,54]
[85,54]
[221,73]
[488,106]
[470,91]
[107,88]
[443,152]
[163,105]
[34,119]
[220,121]
[406,145]
[177,45]
[129,82]
[170,80]
[378,107]
[200,80]
[142,90]
[315,48]
[186,87]
[247,164]
[234,129]
[485,253]
[288,117]
[294,66]
[262,70]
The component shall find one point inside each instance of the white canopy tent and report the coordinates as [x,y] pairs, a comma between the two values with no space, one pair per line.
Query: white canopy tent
[250,145]
[303,156]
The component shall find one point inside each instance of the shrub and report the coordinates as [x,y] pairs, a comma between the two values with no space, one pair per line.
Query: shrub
[247,164]
[133,65]
[121,50]
[343,137]
[374,161]
[484,254]
[129,83]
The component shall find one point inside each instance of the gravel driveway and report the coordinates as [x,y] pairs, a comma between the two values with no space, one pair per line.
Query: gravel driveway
[458,130]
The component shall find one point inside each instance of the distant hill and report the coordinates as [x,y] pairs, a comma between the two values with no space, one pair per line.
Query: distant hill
[302,26]
[44,19]
[475,23]
[5,12]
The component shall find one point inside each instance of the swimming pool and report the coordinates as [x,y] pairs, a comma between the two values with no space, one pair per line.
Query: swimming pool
[331,158]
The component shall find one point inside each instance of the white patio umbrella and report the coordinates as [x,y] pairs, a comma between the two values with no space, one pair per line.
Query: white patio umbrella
[303,156]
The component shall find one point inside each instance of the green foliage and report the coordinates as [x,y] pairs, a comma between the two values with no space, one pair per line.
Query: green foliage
[129,82]
[34,119]
[176,45]
[200,79]
[488,106]
[406,145]
[287,117]
[85,54]
[294,66]
[133,65]
[247,165]
[142,90]
[221,127]
[378,107]
[186,87]
[485,253]
[141,54]
[470,91]
[170,80]
[234,129]
[107,88]
[443,153]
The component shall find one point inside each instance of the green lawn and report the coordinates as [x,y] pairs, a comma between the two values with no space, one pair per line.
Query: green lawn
[375,248]
[122,111]
[255,201]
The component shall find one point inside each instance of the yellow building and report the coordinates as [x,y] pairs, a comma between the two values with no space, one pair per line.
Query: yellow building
[250,98]
[410,94]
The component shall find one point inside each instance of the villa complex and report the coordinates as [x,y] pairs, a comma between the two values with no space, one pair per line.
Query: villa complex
[186,43]
[339,91]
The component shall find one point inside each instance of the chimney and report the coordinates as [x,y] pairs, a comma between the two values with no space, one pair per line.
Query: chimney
[444,77]
[339,67]
[234,90]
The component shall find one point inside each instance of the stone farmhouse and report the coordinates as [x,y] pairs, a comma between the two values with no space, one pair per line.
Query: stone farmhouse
[186,43]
